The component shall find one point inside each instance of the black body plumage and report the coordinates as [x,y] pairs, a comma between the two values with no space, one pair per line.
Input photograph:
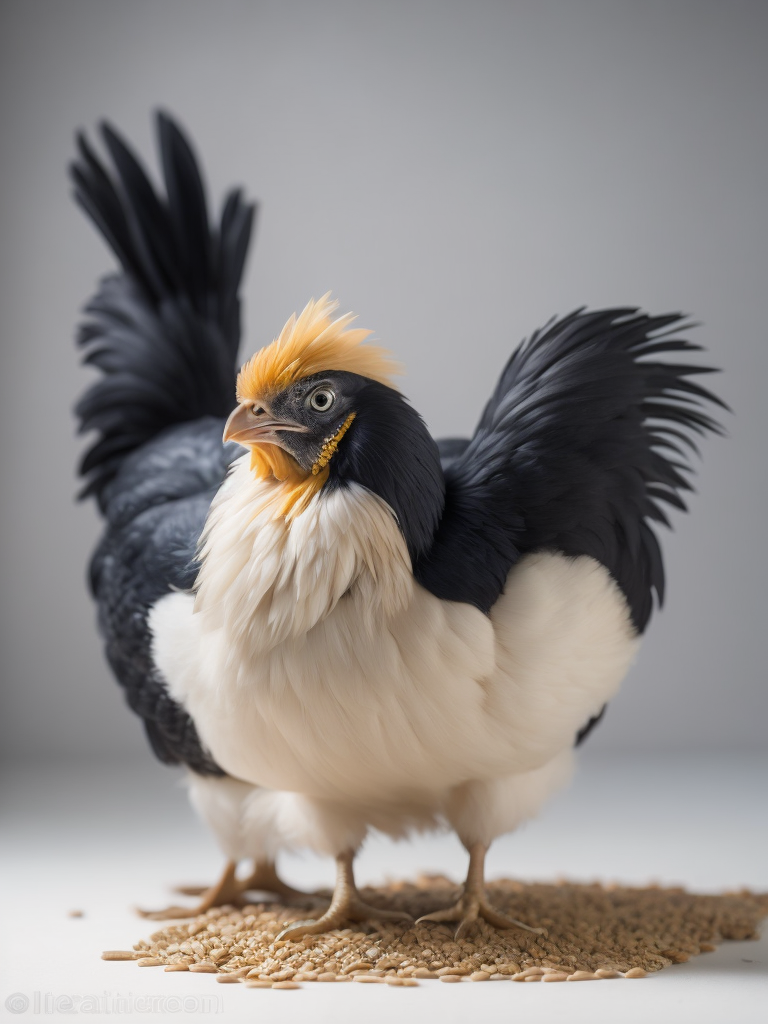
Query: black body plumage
[583,440]
[155,509]
[165,334]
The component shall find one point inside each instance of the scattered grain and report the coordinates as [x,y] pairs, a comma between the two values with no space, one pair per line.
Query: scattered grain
[358,965]
[677,956]
[529,972]
[285,975]
[593,932]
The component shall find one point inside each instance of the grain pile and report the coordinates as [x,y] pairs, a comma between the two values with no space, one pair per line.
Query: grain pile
[593,932]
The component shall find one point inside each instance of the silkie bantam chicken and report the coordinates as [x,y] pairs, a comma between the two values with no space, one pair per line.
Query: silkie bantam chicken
[333,621]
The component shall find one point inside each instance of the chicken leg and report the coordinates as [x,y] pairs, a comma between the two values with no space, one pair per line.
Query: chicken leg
[346,905]
[473,903]
[263,878]
[229,889]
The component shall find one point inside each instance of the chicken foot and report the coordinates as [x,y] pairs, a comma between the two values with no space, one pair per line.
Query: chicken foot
[473,903]
[346,905]
[229,889]
[263,878]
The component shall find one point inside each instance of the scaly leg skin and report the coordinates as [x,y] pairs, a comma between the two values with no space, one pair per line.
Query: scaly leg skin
[263,878]
[346,905]
[473,903]
[227,890]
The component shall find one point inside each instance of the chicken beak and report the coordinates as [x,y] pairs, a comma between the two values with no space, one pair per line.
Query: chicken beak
[247,427]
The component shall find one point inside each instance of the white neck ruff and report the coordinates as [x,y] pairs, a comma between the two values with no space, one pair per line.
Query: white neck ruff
[266,579]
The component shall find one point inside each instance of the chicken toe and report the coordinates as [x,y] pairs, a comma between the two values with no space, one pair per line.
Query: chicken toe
[473,903]
[346,905]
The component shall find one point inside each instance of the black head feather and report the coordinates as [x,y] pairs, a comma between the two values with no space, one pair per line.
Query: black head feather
[389,450]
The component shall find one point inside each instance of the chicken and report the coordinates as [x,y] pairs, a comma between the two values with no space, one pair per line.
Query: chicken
[335,622]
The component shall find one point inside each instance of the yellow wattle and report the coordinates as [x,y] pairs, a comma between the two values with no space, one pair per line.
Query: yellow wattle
[269,460]
[332,443]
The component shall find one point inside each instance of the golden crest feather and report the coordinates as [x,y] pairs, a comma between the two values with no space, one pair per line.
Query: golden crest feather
[312,343]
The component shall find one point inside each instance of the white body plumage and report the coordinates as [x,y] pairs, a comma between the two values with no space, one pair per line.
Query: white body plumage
[318,670]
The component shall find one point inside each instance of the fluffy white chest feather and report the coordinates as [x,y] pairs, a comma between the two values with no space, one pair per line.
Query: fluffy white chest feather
[311,660]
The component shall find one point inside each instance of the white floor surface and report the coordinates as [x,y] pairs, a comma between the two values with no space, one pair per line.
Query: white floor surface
[101,838]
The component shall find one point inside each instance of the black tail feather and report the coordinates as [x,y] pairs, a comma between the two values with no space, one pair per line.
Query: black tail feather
[165,332]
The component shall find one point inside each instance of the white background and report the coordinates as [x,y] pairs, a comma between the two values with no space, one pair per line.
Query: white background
[456,174]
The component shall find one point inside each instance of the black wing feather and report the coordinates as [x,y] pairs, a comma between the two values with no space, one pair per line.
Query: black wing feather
[569,454]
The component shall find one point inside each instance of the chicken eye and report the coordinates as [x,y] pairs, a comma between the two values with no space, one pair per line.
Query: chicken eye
[322,399]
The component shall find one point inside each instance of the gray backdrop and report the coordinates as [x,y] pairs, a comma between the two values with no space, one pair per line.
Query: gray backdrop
[456,174]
